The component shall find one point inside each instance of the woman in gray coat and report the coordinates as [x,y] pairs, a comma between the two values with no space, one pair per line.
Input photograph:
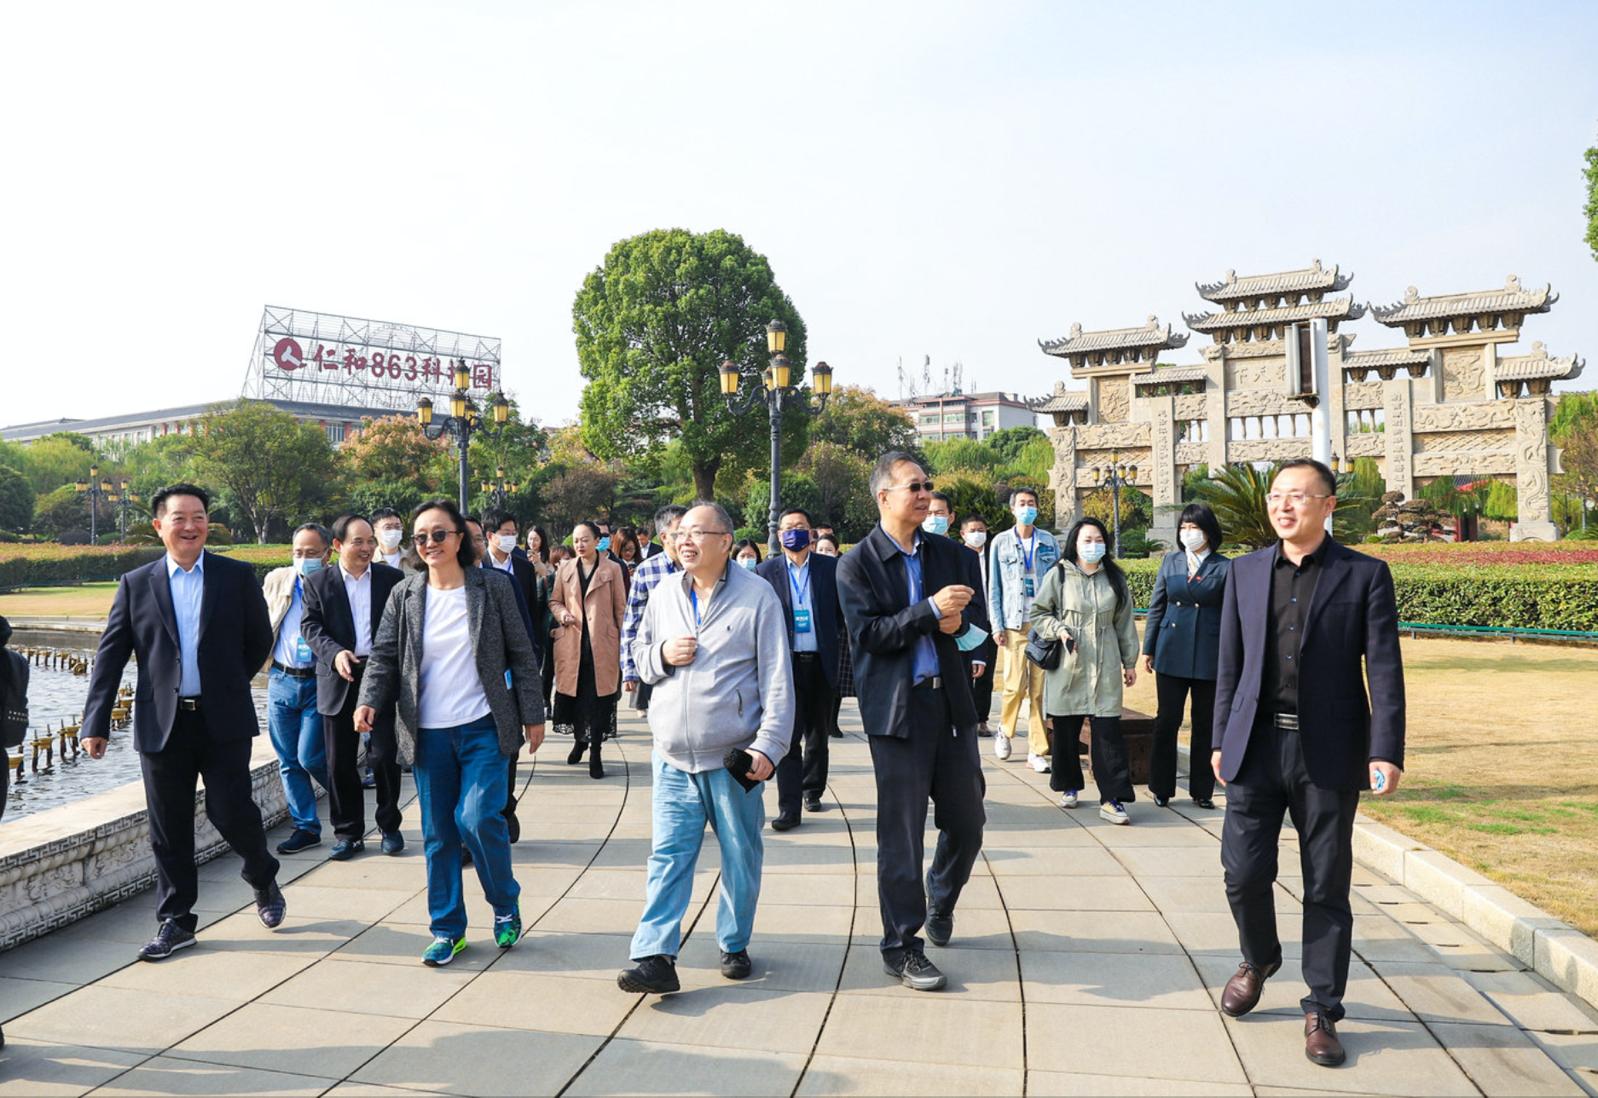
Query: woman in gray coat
[1084,603]
[452,655]
[1181,642]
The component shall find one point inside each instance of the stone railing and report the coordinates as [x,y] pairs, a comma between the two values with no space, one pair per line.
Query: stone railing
[69,862]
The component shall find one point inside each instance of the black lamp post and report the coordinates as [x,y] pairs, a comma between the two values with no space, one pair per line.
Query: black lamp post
[97,490]
[122,497]
[463,421]
[778,388]
[1115,475]
[499,489]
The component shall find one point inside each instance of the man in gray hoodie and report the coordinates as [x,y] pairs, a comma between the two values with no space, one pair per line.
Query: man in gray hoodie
[713,645]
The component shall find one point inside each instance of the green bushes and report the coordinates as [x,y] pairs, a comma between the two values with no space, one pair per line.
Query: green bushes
[58,565]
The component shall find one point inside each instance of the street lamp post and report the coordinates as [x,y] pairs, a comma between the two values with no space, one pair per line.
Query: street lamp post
[97,490]
[499,489]
[463,421]
[1115,475]
[778,388]
[122,497]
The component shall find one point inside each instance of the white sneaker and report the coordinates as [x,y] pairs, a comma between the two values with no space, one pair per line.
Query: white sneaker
[1113,812]
[1038,763]
[1001,746]
[1068,799]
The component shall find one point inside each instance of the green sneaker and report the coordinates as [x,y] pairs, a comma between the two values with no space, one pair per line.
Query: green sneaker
[442,951]
[508,928]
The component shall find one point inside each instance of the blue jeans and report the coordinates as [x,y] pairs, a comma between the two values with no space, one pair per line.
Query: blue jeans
[296,731]
[683,804]
[461,784]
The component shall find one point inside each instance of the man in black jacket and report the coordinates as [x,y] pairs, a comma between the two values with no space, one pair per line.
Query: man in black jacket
[501,527]
[198,626]
[904,595]
[343,607]
[1296,737]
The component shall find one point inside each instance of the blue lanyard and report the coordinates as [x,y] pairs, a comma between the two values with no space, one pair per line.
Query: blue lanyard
[1026,557]
[693,599]
[801,595]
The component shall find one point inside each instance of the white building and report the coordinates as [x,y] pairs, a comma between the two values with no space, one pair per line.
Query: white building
[944,416]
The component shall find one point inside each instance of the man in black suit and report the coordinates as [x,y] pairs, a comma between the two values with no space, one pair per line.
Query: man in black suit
[807,585]
[198,626]
[501,527]
[1296,736]
[974,535]
[904,595]
[343,606]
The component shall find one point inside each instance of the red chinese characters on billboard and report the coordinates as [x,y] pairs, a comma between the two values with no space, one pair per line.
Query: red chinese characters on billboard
[288,355]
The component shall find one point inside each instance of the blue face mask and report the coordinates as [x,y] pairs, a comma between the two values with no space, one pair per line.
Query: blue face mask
[308,566]
[748,563]
[604,545]
[1092,552]
[794,540]
[1026,516]
[936,524]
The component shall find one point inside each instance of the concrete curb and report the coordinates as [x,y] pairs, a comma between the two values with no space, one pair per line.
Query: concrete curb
[1552,948]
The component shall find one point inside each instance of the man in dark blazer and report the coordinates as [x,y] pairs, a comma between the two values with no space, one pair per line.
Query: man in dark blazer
[807,585]
[198,627]
[904,594]
[502,554]
[343,607]
[1296,736]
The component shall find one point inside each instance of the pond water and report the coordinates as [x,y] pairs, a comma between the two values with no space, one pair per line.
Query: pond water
[55,697]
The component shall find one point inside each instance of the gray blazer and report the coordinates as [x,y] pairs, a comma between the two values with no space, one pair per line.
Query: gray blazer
[499,640]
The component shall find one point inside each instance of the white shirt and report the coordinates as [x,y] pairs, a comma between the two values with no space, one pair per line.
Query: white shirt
[1029,551]
[358,589]
[291,649]
[506,565]
[1195,560]
[451,692]
[392,559]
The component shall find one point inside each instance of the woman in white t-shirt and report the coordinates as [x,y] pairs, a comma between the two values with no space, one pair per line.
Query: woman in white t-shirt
[453,656]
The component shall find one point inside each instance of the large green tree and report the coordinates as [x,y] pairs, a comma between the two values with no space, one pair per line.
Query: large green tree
[272,469]
[54,460]
[393,464]
[654,323]
[16,501]
[859,420]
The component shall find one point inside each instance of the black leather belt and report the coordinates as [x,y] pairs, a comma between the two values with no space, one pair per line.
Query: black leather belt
[807,657]
[295,672]
[190,705]
[1286,721]
[934,683]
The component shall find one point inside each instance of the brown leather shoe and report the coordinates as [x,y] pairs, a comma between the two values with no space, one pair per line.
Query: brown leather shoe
[1243,990]
[1321,1045]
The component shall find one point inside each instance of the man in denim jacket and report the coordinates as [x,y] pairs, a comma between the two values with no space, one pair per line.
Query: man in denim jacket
[1019,559]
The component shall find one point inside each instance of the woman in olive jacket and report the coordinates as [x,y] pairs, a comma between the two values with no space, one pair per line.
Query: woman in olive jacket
[1181,641]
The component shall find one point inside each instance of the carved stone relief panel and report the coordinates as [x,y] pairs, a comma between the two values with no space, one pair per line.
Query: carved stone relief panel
[1062,474]
[1141,456]
[1362,395]
[1531,459]
[1396,403]
[1464,374]
[1105,436]
[1464,417]
[1366,445]
[1256,373]
[1163,458]
[1260,402]
[1267,449]
[1495,463]
[1192,406]
[1192,453]
[1115,400]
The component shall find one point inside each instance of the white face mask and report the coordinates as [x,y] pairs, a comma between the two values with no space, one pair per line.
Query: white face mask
[1092,552]
[389,538]
[506,542]
[1192,540]
[976,539]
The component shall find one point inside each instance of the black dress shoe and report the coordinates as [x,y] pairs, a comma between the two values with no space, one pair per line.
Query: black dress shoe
[914,971]
[940,928]
[813,804]
[270,906]
[1203,802]
[393,842]
[345,849]
[466,854]
[169,938]
[298,841]
[655,975]
[835,734]
[1161,802]
[736,966]
[785,823]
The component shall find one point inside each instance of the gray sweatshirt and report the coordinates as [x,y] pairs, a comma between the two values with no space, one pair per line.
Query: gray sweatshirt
[738,691]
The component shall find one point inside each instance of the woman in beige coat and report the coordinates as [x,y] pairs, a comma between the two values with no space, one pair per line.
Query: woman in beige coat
[587,601]
[1085,604]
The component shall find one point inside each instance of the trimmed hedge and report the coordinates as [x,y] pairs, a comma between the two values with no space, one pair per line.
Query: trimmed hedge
[1519,596]
[65,565]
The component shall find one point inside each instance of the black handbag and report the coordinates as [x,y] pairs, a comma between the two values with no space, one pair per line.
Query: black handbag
[13,699]
[1042,651]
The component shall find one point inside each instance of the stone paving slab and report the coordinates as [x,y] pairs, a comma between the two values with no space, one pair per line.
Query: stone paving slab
[1087,959]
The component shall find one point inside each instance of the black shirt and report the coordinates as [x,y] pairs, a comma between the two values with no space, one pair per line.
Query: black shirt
[1292,589]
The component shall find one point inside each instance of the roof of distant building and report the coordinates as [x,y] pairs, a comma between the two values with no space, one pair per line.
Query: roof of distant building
[1063,400]
[1311,279]
[1337,308]
[1539,365]
[1513,298]
[1385,356]
[303,409]
[1149,334]
[1165,375]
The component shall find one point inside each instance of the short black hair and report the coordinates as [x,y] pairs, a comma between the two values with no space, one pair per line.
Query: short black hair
[745,543]
[946,500]
[1328,478]
[341,525]
[158,501]
[973,517]
[1024,490]
[593,527]
[466,553]
[797,511]
[493,520]
[827,537]
[382,513]
[1200,515]
[316,528]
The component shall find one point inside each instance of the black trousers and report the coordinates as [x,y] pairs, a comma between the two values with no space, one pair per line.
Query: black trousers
[346,800]
[1272,782]
[933,761]
[982,689]
[1173,691]
[804,768]
[170,782]
[1106,749]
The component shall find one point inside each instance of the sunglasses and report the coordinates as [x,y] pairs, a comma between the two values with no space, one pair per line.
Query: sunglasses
[437,537]
[916,486]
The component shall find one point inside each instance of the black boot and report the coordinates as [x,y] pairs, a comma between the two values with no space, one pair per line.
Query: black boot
[576,755]
[595,768]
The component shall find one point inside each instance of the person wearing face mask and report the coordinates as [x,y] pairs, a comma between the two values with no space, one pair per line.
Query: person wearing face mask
[292,719]
[649,576]
[589,602]
[941,520]
[826,545]
[974,535]
[1181,641]
[746,554]
[807,586]
[1017,562]
[530,598]
[1084,604]
[389,526]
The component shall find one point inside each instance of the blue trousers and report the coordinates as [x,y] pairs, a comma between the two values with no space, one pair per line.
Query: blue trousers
[295,728]
[461,784]
[683,804]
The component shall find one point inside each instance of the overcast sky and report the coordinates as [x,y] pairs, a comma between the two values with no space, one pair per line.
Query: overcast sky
[952,180]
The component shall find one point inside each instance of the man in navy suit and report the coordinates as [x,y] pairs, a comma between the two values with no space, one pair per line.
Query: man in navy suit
[343,607]
[1297,736]
[807,584]
[904,596]
[198,626]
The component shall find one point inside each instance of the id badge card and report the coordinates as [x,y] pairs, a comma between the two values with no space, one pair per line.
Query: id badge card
[801,620]
[302,651]
[1027,587]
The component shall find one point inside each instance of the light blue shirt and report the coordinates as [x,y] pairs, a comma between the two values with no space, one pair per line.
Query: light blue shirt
[188,593]
[925,664]
[799,590]
[288,650]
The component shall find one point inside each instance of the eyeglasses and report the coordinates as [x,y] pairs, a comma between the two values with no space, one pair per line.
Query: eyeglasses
[697,534]
[437,537]
[1276,499]
[913,487]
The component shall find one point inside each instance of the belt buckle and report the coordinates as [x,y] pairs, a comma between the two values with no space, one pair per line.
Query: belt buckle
[190,705]
[1288,721]
[936,681]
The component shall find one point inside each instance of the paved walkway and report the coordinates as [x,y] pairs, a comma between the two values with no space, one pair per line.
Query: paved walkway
[1087,959]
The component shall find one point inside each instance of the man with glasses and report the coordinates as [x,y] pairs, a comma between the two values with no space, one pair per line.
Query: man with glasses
[1020,557]
[714,645]
[655,568]
[1296,737]
[904,596]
